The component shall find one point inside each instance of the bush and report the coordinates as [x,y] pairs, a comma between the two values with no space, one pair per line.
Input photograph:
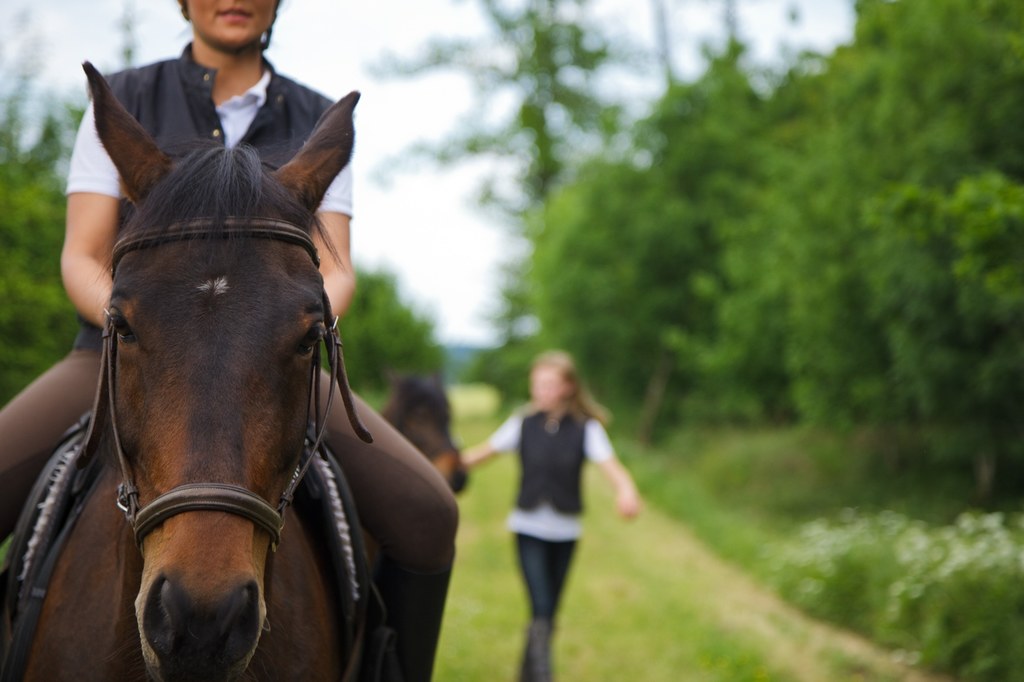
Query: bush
[951,598]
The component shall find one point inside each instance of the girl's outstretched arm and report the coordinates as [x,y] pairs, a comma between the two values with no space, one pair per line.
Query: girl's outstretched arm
[627,497]
[478,454]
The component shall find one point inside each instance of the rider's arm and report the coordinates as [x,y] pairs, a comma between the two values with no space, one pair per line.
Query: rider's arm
[91,223]
[339,275]
[90,230]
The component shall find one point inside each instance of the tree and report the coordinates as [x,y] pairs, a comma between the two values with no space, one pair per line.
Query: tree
[627,269]
[894,107]
[380,334]
[950,291]
[37,322]
[536,75]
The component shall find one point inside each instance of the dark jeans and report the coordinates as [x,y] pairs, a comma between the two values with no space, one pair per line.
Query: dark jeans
[544,565]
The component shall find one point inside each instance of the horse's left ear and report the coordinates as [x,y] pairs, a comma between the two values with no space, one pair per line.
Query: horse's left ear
[136,155]
[322,157]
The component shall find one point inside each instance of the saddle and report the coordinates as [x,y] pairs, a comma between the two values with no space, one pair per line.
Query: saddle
[56,501]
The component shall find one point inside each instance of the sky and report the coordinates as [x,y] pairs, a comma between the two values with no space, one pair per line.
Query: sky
[420,224]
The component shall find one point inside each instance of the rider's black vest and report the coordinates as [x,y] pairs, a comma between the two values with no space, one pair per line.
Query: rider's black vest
[552,463]
[173,100]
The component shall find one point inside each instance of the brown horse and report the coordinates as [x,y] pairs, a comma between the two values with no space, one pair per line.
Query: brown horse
[211,362]
[418,407]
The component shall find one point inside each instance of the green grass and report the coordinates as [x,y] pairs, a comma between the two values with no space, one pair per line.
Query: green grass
[623,614]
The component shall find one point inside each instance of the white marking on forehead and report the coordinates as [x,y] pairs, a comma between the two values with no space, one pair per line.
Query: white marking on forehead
[215,287]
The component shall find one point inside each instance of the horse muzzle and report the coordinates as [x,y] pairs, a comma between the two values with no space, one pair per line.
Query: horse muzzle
[185,639]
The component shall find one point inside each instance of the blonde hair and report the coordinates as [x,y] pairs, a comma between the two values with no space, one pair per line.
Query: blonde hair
[581,404]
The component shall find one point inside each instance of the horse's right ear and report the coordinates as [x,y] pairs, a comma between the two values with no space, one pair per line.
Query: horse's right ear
[136,155]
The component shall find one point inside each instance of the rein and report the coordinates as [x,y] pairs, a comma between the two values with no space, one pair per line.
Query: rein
[215,496]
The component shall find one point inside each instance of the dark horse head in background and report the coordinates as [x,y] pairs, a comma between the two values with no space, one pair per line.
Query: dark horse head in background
[212,354]
[418,407]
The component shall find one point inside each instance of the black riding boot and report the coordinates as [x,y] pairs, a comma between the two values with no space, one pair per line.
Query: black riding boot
[537,655]
[415,605]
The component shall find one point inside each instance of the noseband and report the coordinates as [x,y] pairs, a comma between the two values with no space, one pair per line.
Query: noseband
[223,497]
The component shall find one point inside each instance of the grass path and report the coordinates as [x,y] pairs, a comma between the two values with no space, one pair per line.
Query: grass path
[646,601]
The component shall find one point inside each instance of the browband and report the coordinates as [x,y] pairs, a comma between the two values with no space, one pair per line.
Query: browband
[259,228]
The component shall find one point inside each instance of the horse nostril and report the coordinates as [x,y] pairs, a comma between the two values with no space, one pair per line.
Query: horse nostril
[240,622]
[232,609]
[165,618]
[185,634]
[459,480]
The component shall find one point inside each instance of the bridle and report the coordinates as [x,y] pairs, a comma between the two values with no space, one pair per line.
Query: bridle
[223,497]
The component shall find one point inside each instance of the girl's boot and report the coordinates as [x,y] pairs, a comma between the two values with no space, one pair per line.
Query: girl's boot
[537,655]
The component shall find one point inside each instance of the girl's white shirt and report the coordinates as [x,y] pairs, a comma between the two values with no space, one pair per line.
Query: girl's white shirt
[546,522]
[91,169]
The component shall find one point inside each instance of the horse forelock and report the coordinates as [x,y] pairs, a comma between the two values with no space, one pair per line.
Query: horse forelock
[213,183]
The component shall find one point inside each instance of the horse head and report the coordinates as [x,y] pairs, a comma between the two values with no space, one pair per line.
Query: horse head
[212,355]
[418,407]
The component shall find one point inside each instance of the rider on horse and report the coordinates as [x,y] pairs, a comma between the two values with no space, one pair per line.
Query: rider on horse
[222,87]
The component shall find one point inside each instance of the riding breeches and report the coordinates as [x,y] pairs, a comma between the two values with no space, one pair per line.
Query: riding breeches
[402,500]
[32,423]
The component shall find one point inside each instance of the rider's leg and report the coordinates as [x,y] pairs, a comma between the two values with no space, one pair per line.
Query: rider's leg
[411,512]
[415,603]
[32,423]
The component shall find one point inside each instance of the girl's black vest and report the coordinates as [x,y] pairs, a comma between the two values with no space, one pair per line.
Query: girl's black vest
[552,463]
[173,100]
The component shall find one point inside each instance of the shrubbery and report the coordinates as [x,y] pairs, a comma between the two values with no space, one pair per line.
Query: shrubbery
[950,598]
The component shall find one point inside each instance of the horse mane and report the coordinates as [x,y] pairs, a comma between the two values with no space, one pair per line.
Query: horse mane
[209,181]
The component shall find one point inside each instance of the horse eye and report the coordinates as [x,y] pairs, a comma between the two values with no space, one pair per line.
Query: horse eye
[312,338]
[121,328]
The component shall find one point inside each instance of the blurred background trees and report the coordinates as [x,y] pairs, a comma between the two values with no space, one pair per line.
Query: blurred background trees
[835,241]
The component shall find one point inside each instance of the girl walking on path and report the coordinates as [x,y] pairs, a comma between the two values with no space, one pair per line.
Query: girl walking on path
[554,434]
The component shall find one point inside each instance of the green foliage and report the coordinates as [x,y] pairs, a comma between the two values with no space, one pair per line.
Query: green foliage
[539,67]
[37,322]
[838,243]
[627,260]
[381,334]
[951,597]
[892,108]
[948,293]
[505,368]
